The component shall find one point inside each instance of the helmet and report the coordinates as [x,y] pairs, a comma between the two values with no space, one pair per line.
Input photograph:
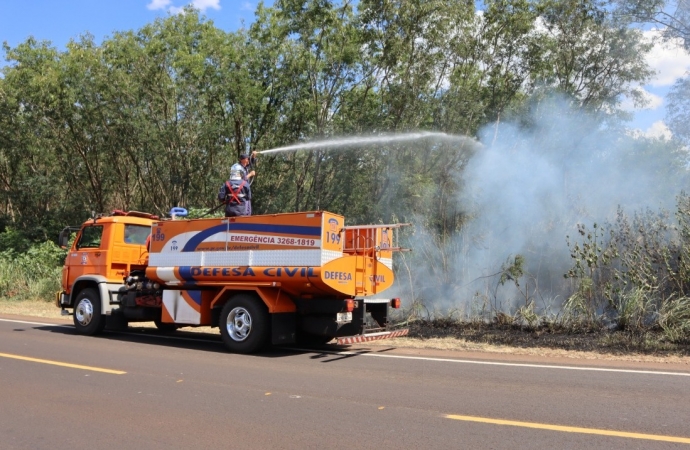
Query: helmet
[236,172]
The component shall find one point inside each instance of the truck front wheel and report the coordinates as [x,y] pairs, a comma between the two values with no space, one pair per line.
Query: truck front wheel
[87,313]
[244,324]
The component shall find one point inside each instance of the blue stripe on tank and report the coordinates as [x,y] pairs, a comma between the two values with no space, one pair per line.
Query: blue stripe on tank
[186,273]
[198,238]
[195,295]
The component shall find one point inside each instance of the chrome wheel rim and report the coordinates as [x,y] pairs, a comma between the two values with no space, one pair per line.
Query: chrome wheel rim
[84,312]
[239,324]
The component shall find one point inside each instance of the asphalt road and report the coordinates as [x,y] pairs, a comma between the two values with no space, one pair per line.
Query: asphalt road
[144,390]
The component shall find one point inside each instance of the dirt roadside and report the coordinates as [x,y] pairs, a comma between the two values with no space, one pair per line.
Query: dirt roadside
[461,347]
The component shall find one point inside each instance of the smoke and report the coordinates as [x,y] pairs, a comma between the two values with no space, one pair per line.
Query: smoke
[525,189]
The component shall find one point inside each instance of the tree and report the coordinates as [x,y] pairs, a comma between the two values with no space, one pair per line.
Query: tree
[678,110]
[672,16]
[590,57]
[33,193]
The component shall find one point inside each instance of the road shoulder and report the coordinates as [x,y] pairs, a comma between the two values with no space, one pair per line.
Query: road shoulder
[452,348]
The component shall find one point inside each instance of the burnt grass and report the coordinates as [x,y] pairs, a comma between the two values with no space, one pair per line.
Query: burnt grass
[582,338]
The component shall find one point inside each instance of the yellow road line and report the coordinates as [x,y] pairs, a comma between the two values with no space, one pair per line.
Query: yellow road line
[545,426]
[58,363]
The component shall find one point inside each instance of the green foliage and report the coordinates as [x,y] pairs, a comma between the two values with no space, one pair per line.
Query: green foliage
[591,260]
[512,270]
[574,28]
[677,112]
[31,274]
[14,241]
[199,213]
[671,17]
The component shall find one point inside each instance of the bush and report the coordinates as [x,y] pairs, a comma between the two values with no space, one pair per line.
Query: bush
[674,319]
[32,274]
[635,272]
[14,241]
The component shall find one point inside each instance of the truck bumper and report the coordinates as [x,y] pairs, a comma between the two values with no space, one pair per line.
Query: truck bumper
[61,299]
[371,337]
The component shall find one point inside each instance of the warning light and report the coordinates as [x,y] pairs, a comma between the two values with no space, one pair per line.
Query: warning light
[395,303]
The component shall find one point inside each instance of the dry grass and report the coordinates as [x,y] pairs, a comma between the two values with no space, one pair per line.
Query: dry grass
[459,344]
[34,308]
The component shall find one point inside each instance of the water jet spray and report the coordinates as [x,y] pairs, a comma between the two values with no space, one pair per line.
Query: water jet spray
[358,141]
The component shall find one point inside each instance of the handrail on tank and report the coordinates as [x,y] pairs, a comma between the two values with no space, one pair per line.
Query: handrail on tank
[368,238]
[362,227]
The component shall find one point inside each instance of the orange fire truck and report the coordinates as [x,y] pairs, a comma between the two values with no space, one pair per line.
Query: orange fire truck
[281,278]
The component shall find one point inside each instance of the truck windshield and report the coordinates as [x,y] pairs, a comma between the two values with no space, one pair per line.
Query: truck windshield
[90,237]
[136,234]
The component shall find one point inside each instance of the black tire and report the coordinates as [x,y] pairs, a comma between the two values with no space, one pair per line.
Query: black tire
[244,324]
[166,327]
[88,318]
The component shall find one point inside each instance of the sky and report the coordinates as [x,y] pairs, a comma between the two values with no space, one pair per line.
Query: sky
[59,21]
[670,62]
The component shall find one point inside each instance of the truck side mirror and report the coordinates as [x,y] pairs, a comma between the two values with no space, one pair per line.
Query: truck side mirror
[63,239]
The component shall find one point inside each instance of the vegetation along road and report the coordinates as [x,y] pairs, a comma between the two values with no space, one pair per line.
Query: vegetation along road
[148,390]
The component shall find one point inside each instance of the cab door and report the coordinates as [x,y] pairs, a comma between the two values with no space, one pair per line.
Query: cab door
[87,256]
[63,241]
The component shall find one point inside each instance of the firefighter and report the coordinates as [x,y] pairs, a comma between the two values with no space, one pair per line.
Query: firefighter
[236,193]
[248,162]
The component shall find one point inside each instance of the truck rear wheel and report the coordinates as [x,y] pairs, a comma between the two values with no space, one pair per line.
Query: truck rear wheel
[244,324]
[88,319]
